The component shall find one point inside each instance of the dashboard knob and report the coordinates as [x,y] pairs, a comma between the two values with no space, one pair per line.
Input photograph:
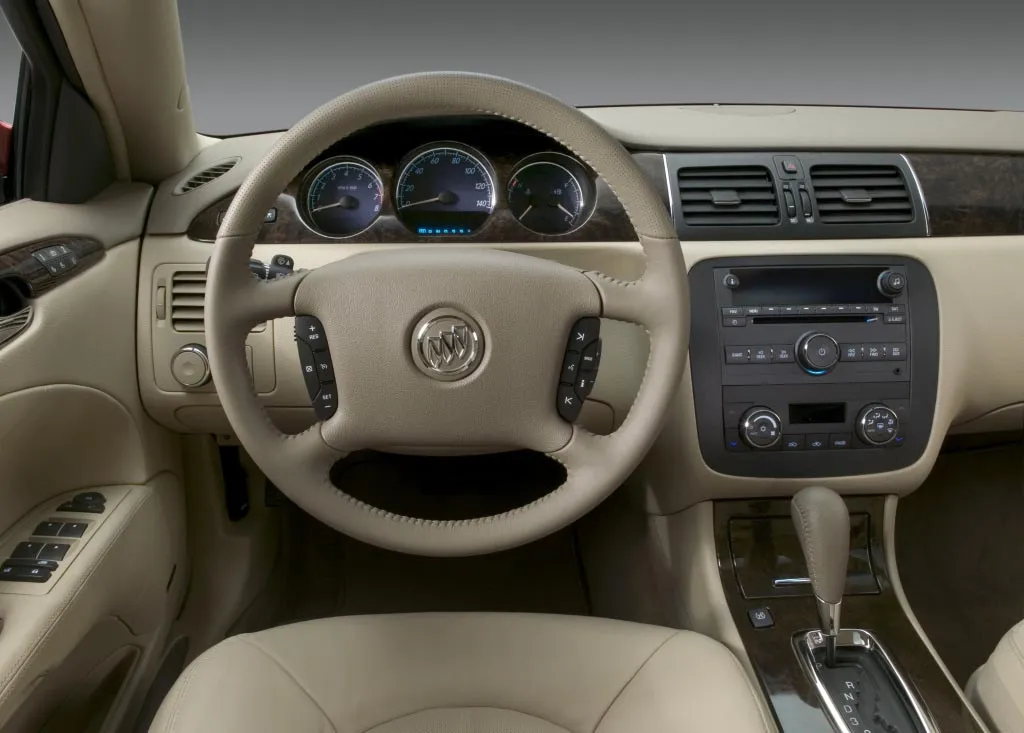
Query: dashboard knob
[877,425]
[817,353]
[190,366]
[891,283]
[760,428]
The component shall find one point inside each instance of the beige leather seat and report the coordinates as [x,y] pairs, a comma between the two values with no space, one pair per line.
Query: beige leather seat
[464,673]
[997,688]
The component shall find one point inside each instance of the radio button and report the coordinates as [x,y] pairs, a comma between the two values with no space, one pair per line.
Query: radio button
[874,352]
[896,318]
[896,352]
[753,310]
[896,308]
[818,353]
[874,308]
[789,310]
[733,321]
[732,311]
[771,310]
[853,352]
[859,308]
[761,355]
[782,354]
[737,355]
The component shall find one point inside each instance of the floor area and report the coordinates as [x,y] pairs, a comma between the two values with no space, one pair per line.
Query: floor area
[958,545]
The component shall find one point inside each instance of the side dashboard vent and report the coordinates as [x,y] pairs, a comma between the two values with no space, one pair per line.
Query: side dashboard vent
[188,298]
[728,196]
[861,194]
[205,176]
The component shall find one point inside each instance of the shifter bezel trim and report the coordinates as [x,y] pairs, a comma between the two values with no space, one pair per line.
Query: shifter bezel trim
[806,642]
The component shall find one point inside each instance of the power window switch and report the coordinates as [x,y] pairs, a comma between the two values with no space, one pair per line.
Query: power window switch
[54,551]
[27,550]
[47,529]
[73,529]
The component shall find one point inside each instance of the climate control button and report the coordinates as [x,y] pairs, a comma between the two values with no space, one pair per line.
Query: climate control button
[761,428]
[817,353]
[877,425]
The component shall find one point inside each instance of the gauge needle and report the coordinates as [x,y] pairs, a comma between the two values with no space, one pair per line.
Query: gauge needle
[525,212]
[424,201]
[566,211]
[328,206]
[348,202]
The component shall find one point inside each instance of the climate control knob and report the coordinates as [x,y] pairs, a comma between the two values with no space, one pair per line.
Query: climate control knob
[190,366]
[817,353]
[877,425]
[760,428]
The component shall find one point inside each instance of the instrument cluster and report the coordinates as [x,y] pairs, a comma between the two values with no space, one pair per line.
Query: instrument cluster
[446,189]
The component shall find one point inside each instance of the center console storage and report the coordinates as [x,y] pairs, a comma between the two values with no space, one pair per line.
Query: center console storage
[813,366]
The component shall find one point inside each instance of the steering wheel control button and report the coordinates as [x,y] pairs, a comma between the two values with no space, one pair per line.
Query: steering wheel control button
[579,367]
[48,529]
[307,360]
[761,428]
[568,402]
[817,353]
[310,330]
[190,366]
[326,402]
[877,425]
[447,345]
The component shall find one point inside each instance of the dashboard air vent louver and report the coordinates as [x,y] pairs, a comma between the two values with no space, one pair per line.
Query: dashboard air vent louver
[205,176]
[861,194]
[188,296]
[741,195]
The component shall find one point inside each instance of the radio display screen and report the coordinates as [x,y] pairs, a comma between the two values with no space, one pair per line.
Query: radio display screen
[807,285]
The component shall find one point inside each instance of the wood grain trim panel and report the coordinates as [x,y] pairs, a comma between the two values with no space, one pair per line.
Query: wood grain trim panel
[20,264]
[770,650]
[971,195]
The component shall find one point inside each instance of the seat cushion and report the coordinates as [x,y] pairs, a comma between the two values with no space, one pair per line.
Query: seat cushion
[464,673]
[997,688]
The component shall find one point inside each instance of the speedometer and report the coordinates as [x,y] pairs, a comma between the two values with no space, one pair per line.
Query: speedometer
[444,190]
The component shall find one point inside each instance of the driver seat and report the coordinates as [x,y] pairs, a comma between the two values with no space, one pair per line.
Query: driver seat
[464,673]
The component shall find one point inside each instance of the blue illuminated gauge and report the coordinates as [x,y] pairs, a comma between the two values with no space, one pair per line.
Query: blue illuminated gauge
[550,193]
[341,197]
[444,190]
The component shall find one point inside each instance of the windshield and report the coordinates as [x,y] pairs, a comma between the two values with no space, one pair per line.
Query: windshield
[262,64]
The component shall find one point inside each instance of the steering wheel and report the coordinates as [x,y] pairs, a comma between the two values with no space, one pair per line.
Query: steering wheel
[520,309]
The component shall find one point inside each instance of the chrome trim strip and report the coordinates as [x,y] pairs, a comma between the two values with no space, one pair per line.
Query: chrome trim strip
[920,194]
[804,644]
[787,582]
[673,197]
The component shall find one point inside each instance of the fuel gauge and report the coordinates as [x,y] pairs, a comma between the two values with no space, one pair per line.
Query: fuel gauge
[550,193]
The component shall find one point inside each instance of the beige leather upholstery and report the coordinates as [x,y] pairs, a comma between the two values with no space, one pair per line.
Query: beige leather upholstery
[997,688]
[462,673]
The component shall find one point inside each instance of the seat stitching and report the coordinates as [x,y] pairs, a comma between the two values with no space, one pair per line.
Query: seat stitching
[633,677]
[280,665]
[462,707]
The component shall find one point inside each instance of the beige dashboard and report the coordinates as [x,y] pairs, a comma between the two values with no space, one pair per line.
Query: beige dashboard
[980,383]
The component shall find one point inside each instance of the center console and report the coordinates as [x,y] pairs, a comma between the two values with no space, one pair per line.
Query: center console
[813,366]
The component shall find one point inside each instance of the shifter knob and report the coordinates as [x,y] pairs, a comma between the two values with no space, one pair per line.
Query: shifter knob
[823,528]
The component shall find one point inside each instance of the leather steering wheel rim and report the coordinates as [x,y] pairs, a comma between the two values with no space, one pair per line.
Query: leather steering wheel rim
[398,285]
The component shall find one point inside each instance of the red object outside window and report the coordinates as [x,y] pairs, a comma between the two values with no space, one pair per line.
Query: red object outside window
[5,146]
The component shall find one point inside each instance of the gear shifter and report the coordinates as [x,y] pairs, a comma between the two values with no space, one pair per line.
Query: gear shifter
[823,527]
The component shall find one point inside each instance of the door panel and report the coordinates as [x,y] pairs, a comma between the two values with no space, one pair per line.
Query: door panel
[90,637]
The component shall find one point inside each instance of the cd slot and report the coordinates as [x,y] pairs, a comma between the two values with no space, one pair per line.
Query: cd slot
[813,318]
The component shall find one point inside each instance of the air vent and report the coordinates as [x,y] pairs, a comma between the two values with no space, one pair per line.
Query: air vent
[728,196]
[861,194]
[188,295]
[203,177]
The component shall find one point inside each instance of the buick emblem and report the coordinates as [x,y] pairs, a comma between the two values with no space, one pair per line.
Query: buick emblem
[447,345]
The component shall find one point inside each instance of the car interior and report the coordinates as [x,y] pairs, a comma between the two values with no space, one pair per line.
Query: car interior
[455,407]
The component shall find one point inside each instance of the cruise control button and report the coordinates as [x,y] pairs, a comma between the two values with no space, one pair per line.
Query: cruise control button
[307,360]
[584,333]
[326,401]
[782,354]
[568,402]
[310,330]
[591,357]
[570,367]
[324,367]
[737,355]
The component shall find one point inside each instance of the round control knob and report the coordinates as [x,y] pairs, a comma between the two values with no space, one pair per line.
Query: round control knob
[760,428]
[891,283]
[817,353]
[731,281]
[190,366]
[877,425]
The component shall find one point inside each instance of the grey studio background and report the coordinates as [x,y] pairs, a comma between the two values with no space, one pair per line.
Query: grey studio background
[262,64]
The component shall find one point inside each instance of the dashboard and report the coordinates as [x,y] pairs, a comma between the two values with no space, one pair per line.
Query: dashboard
[440,180]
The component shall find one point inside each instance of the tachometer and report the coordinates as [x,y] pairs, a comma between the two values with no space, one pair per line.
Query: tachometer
[444,189]
[550,193]
[341,197]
